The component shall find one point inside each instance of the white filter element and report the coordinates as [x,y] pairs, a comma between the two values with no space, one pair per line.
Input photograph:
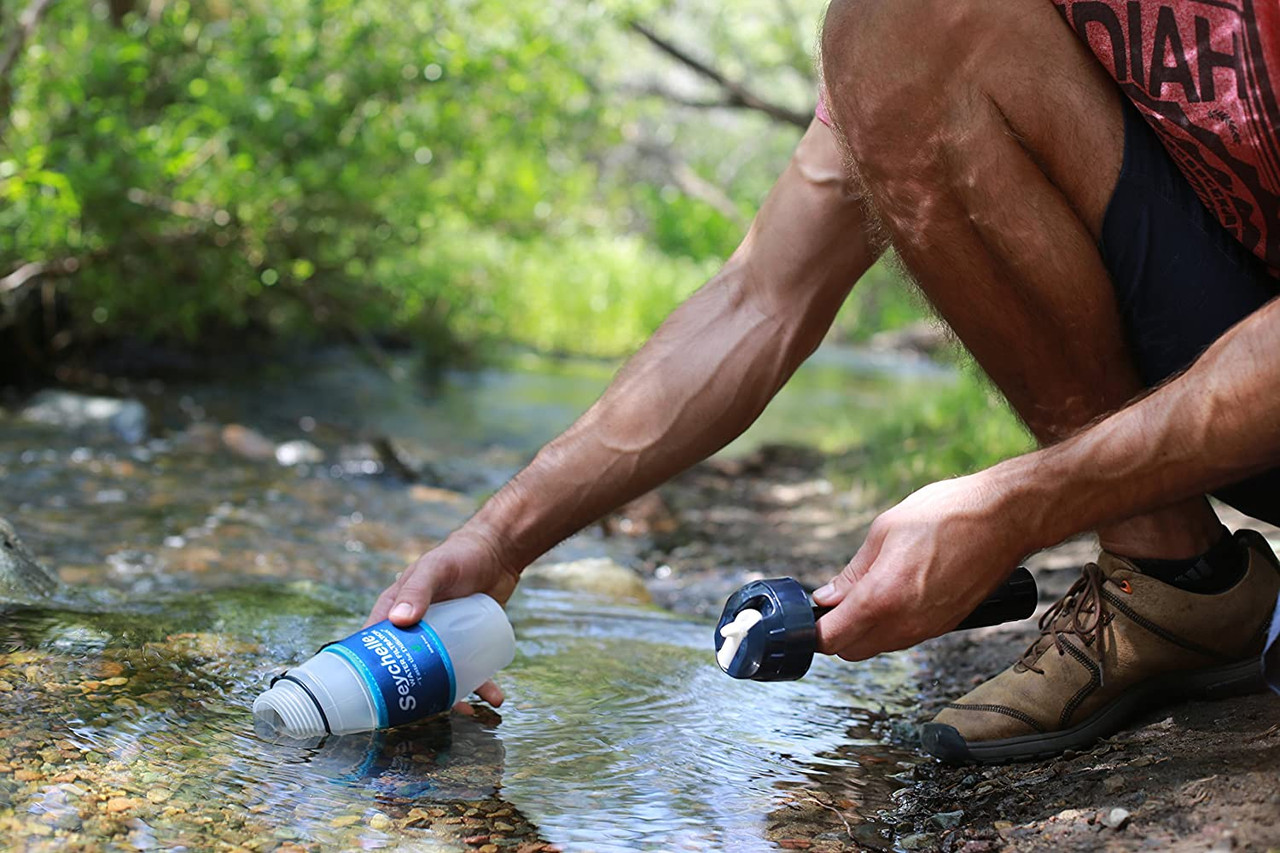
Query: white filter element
[734,633]
[473,630]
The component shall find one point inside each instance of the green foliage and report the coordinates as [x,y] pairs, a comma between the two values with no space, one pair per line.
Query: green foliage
[449,173]
[884,299]
[683,226]
[295,166]
[952,430]
[593,295]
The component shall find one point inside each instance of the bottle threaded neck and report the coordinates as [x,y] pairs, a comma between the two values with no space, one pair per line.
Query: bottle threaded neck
[287,708]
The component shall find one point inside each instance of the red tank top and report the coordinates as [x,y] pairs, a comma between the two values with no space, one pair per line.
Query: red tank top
[1201,72]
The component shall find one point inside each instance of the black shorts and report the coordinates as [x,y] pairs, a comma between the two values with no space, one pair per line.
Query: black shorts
[1181,279]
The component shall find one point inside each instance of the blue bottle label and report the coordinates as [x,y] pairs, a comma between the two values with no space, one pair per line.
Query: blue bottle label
[407,670]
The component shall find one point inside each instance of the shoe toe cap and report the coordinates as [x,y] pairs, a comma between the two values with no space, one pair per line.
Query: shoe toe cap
[945,743]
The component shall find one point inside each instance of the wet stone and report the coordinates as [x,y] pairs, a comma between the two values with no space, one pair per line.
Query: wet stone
[298,453]
[91,418]
[597,576]
[115,805]
[248,443]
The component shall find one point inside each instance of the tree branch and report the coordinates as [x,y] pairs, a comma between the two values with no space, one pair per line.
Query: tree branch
[694,185]
[654,90]
[738,95]
[26,25]
[33,270]
[177,207]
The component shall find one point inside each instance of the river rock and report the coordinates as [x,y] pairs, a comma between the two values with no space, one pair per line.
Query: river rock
[22,579]
[916,841]
[93,418]
[249,443]
[598,576]
[299,453]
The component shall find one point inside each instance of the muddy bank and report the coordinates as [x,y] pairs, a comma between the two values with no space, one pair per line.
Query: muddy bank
[1189,776]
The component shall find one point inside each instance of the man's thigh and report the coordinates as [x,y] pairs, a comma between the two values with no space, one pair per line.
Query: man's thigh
[1181,279]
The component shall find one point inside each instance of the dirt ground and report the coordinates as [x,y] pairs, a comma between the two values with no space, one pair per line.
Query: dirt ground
[1191,776]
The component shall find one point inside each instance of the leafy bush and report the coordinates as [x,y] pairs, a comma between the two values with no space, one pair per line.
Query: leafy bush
[447,173]
[294,165]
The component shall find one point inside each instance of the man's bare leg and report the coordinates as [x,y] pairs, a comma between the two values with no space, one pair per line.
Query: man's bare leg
[988,141]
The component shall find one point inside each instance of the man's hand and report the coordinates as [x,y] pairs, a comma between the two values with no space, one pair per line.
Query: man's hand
[925,565]
[465,563]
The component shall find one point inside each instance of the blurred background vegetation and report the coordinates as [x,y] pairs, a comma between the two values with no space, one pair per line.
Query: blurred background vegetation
[449,173]
[453,175]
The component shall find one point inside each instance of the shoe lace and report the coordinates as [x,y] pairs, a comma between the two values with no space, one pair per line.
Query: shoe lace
[1077,613]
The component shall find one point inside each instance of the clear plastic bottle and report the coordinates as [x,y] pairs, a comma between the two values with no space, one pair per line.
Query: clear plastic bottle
[385,676]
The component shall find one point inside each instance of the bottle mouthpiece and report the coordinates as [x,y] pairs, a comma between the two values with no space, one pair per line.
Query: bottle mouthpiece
[767,631]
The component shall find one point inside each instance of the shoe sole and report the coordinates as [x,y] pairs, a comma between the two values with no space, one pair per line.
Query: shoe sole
[946,743]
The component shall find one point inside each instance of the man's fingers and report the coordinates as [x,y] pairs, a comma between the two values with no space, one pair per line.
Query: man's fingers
[834,592]
[842,630]
[491,693]
[837,590]
[421,585]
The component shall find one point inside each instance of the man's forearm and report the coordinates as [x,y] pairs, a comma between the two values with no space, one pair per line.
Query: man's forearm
[708,372]
[1216,424]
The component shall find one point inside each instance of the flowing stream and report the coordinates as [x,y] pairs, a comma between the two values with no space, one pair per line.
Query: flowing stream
[193,574]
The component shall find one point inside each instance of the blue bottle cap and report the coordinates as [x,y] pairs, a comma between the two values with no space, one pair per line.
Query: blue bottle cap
[780,646]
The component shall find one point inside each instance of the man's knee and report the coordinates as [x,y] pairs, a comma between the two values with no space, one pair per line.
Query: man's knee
[890,66]
[922,91]
[896,74]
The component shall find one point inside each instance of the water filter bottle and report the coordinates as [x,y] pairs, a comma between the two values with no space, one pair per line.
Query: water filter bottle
[384,676]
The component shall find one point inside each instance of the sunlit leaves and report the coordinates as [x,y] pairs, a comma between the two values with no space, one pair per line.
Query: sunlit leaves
[306,164]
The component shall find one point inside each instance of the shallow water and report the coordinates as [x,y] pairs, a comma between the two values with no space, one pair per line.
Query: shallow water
[194,575]
[619,733]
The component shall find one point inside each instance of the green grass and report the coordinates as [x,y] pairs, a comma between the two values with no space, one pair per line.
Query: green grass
[595,295]
[953,430]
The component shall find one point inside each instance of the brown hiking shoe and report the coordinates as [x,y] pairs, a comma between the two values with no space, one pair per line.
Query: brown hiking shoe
[1116,641]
